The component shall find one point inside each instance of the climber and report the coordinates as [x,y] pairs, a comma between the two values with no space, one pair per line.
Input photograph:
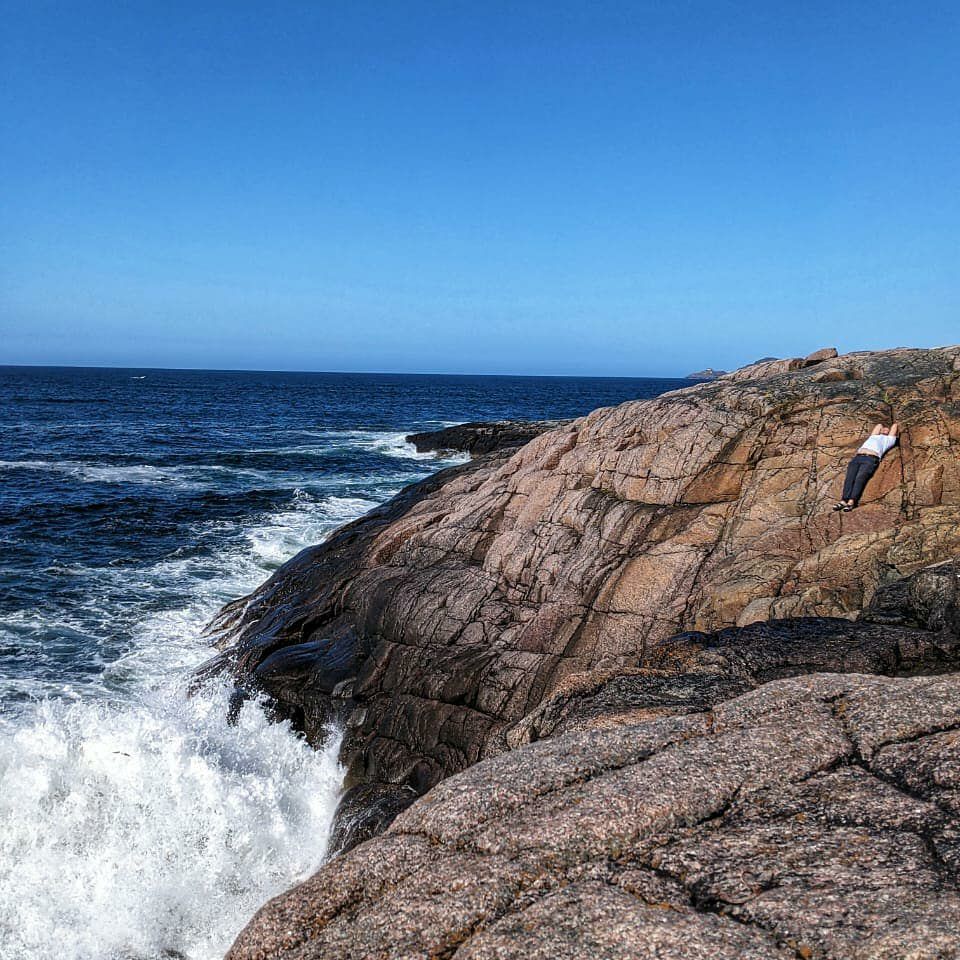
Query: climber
[864,465]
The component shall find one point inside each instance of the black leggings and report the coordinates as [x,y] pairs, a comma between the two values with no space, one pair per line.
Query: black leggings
[862,468]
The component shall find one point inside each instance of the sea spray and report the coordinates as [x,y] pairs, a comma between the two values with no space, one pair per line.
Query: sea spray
[135,822]
[150,828]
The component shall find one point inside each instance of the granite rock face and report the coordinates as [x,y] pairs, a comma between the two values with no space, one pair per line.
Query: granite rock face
[655,698]
[912,627]
[439,625]
[812,817]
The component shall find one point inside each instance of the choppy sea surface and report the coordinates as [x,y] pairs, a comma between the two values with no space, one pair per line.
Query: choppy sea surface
[135,824]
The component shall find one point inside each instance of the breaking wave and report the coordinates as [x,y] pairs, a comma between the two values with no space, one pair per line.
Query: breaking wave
[149,828]
[136,823]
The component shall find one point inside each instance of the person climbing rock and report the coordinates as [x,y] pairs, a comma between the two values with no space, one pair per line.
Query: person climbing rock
[864,465]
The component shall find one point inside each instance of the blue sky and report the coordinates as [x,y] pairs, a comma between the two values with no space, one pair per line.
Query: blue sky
[555,188]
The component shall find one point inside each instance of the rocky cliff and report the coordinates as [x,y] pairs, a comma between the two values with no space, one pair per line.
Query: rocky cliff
[617,616]
[437,623]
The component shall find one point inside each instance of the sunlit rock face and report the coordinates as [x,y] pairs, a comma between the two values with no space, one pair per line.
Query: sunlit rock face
[815,816]
[444,619]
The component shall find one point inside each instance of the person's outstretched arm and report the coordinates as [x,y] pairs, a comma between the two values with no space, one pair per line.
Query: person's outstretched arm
[877,429]
[894,430]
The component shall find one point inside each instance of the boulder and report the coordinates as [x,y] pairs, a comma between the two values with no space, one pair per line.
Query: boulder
[929,599]
[761,369]
[818,356]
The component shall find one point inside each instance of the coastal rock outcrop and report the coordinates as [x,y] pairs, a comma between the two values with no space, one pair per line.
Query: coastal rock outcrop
[634,690]
[434,626]
[480,438]
[708,373]
[813,817]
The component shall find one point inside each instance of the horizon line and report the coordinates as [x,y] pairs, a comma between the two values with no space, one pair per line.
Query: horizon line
[363,373]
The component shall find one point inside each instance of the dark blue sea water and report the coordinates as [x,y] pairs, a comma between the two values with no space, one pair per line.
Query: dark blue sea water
[132,504]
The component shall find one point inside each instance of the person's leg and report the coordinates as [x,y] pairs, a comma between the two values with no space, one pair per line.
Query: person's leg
[866,469]
[848,481]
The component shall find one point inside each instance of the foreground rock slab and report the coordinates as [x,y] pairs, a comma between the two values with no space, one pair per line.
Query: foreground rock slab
[811,817]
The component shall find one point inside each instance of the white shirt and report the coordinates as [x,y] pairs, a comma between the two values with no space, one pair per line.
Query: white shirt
[878,443]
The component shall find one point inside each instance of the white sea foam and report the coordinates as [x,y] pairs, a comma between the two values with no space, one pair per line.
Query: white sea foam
[167,641]
[390,444]
[135,823]
[288,531]
[138,827]
[386,443]
[95,473]
[192,477]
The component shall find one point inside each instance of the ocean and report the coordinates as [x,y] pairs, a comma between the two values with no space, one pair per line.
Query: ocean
[135,823]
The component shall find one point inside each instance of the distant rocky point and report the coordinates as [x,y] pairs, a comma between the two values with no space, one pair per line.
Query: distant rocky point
[767,366]
[481,438]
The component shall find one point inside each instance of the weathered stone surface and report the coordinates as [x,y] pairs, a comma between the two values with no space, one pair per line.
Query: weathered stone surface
[832,376]
[482,592]
[811,817]
[762,369]
[697,671]
[480,438]
[366,810]
[929,599]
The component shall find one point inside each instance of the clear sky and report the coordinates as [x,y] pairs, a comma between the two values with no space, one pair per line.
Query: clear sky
[639,188]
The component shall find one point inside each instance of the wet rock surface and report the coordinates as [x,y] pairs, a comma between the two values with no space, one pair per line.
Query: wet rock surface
[366,810]
[811,817]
